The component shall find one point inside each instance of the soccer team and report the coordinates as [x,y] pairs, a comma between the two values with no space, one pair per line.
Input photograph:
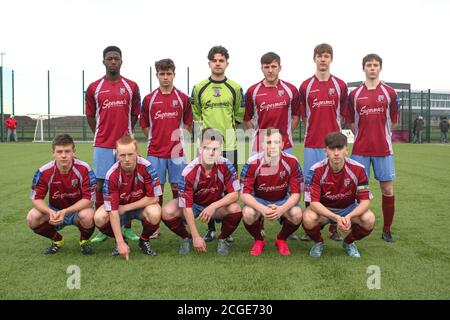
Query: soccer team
[126,186]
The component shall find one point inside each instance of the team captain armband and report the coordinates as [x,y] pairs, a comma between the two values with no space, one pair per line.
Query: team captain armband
[362,188]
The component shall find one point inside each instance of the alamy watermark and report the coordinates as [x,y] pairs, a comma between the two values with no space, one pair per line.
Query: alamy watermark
[74,279]
[374,280]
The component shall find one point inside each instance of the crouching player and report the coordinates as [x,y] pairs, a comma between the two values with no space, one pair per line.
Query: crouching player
[271,186]
[201,195]
[71,185]
[130,191]
[338,190]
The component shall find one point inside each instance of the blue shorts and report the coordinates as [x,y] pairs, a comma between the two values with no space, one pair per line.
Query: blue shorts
[267,202]
[175,167]
[69,219]
[277,203]
[130,215]
[340,212]
[104,158]
[289,151]
[383,167]
[311,156]
[197,209]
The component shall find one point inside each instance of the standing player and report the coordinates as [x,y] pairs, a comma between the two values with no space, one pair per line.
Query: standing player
[165,113]
[271,187]
[205,180]
[272,103]
[338,190]
[373,109]
[218,103]
[70,184]
[112,108]
[323,104]
[131,191]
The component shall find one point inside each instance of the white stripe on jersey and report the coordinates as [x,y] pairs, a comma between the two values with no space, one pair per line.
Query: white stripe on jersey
[356,111]
[291,96]
[97,108]
[308,109]
[152,99]
[130,106]
[387,127]
[338,110]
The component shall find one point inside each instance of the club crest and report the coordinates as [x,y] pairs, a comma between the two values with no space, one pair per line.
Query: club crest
[346,182]
[281,93]
[216,92]
[331,91]
[174,103]
[380,98]
[74,182]
[122,90]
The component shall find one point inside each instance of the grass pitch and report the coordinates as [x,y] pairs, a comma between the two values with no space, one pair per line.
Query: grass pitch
[415,267]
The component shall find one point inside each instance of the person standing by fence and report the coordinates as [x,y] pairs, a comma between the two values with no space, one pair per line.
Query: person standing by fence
[11,124]
[443,126]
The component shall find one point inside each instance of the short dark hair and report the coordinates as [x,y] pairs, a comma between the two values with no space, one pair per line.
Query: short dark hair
[211,134]
[220,50]
[165,64]
[62,140]
[111,49]
[335,140]
[270,131]
[323,48]
[269,57]
[372,56]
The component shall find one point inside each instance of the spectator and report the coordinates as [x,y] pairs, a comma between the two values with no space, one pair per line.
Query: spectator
[11,124]
[418,128]
[443,126]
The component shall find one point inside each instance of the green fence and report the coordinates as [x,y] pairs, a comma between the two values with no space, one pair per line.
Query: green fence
[51,92]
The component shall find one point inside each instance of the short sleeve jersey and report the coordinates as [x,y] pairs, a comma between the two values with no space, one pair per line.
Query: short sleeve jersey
[121,188]
[337,190]
[372,112]
[271,183]
[64,190]
[112,104]
[203,189]
[165,115]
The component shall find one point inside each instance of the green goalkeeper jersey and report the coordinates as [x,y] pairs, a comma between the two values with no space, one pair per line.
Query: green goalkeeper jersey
[219,105]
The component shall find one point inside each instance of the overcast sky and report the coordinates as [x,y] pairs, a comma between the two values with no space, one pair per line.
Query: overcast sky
[67,36]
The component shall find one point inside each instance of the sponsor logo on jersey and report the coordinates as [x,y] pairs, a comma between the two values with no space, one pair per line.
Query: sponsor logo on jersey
[263,187]
[275,105]
[338,196]
[59,195]
[365,110]
[346,182]
[322,103]
[165,115]
[281,93]
[221,104]
[204,191]
[135,194]
[114,104]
